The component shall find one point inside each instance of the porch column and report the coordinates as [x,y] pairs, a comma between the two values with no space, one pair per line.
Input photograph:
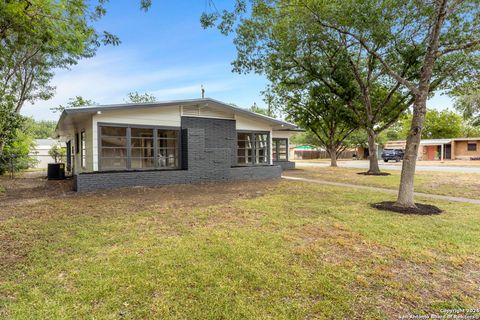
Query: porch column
[441,152]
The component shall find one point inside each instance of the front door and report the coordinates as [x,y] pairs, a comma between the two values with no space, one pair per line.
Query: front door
[448,151]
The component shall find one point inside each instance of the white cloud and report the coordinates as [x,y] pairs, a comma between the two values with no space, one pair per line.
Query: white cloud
[108,77]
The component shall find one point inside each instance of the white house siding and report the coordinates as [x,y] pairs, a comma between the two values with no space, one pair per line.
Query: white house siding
[86,126]
[152,116]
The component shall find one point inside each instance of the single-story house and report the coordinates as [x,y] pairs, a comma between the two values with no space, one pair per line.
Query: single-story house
[444,149]
[147,144]
[40,152]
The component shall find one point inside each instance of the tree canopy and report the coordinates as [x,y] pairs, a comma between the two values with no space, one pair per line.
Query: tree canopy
[135,97]
[441,40]
[77,101]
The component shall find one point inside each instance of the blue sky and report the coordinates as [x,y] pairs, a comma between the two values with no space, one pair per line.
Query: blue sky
[165,52]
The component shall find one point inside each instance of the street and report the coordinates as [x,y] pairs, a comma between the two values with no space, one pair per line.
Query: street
[363,164]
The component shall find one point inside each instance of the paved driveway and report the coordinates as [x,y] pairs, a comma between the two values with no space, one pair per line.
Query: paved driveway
[363,164]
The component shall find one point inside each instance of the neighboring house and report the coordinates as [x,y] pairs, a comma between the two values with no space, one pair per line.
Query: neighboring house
[40,152]
[184,141]
[441,149]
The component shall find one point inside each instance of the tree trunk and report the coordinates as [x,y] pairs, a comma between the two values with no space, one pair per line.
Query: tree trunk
[372,153]
[2,145]
[333,160]
[406,191]
[333,156]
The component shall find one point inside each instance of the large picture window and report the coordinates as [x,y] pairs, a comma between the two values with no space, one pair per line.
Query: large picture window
[138,148]
[252,148]
[280,149]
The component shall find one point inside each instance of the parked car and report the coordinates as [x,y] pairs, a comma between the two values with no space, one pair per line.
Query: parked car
[392,154]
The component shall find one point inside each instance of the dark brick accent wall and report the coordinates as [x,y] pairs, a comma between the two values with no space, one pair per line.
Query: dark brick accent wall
[204,164]
[219,133]
[285,165]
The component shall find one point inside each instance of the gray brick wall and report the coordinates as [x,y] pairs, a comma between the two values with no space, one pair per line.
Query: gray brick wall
[219,133]
[285,165]
[204,164]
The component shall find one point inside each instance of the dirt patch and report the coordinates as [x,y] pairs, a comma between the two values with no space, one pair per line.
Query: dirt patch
[374,174]
[33,187]
[421,209]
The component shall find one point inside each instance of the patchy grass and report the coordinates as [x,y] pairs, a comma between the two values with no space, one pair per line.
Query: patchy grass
[263,250]
[444,183]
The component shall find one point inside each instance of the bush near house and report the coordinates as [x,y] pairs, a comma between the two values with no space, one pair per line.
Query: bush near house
[16,153]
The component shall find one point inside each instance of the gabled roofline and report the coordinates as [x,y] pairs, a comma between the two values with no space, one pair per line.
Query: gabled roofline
[127,106]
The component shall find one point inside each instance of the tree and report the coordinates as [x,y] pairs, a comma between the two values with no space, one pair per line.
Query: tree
[10,122]
[444,36]
[257,109]
[322,113]
[76,102]
[468,102]
[40,36]
[42,129]
[57,153]
[287,44]
[438,125]
[16,155]
[135,97]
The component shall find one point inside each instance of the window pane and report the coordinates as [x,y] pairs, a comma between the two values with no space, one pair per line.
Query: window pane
[142,163]
[114,163]
[141,132]
[142,152]
[114,148]
[114,131]
[167,153]
[279,149]
[114,152]
[114,141]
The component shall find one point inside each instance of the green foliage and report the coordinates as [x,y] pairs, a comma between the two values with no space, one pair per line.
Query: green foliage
[468,102]
[438,125]
[135,97]
[41,129]
[58,153]
[307,137]
[10,122]
[40,36]
[257,109]
[76,102]
[320,112]
[16,152]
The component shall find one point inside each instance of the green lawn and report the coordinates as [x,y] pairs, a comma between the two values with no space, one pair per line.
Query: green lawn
[263,250]
[444,183]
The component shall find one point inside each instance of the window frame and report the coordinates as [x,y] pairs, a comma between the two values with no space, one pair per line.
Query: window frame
[128,127]
[253,134]
[277,149]
[83,149]
[472,144]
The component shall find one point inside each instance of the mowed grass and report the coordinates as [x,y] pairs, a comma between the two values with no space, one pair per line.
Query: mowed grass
[444,183]
[282,250]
